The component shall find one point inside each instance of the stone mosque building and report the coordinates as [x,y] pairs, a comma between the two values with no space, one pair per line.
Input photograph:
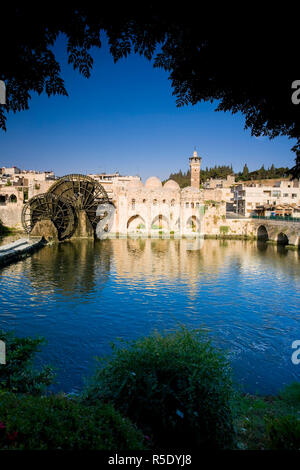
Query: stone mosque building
[151,209]
[163,209]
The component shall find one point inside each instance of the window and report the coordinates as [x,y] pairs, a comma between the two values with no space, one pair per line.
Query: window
[144,201]
[197,204]
[164,201]
[286,195]
[187,205]
[133,204]
[192,205]
[154,202]
[294,196]
[173,202]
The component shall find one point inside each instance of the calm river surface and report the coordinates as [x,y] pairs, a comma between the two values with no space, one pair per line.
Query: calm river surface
[82,295]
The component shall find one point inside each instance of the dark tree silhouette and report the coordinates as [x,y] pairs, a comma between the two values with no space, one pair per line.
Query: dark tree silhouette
[244,74]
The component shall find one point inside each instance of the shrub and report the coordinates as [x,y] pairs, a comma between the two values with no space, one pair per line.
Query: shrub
[59,422]
[224,229]
[177,388]
[291,394]
[18,375]
[284,433]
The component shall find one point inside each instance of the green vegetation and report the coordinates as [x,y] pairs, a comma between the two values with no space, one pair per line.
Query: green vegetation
[224,229]
[159,392]
[31,420]
[222,171]
[184,179]
[176,388]
[270,422]
[5,230]
[59,422]
[262,173]
[18,374]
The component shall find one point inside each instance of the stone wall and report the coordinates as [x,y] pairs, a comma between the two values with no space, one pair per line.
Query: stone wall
[10,215]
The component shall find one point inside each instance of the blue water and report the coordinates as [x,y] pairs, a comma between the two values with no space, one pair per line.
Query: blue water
[82,295]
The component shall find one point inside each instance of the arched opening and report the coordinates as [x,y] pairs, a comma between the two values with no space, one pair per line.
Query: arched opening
[2,200]
[193,224]
[160,222]
[13,198]
[262,233]
[136,222]
[282,239]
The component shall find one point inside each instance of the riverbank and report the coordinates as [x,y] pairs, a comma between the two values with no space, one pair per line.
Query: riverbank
[19,249]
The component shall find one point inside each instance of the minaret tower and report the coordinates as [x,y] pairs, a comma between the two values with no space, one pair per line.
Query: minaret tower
[195,163]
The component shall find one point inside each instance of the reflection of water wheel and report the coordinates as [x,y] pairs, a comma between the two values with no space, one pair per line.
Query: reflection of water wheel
[48,206]
[82,192]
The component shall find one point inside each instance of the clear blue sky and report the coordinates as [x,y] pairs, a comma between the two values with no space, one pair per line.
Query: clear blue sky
[125,118]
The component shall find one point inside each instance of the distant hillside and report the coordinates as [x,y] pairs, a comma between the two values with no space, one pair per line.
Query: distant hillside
[184,179]
[262,173]
[222,171]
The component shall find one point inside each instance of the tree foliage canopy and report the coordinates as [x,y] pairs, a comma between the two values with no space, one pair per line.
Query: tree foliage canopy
[244,74]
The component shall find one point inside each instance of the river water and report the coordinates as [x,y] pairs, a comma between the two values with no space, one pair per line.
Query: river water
[81,295]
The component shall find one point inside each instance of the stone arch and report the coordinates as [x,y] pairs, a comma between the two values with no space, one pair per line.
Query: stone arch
[136,222]
[161,222]
[282,239]
[193,224]
[262,233]
[13,198]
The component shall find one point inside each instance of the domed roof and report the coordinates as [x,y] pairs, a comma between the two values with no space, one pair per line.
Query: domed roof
[153,183]
[171,184]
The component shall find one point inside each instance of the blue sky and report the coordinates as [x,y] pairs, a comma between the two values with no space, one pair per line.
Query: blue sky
[125,118]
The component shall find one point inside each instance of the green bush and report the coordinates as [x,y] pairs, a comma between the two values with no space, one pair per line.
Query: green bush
[291,394]
[284,433]
[224,229]
[59,422]
[18,375]
[176,388]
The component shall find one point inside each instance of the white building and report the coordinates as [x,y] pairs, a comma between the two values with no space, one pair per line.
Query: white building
[248,199]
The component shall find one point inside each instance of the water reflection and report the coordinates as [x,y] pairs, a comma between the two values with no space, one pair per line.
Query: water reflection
[82,294]
[72,267]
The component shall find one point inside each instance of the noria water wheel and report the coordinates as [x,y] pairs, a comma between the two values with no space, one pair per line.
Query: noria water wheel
[83,193]
[48,206]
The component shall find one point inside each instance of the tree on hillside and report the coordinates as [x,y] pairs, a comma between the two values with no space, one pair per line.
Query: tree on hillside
[244,74]
[245,172]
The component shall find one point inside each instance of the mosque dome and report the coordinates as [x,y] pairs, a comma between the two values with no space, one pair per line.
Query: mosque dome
[153,183]
[171,184]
